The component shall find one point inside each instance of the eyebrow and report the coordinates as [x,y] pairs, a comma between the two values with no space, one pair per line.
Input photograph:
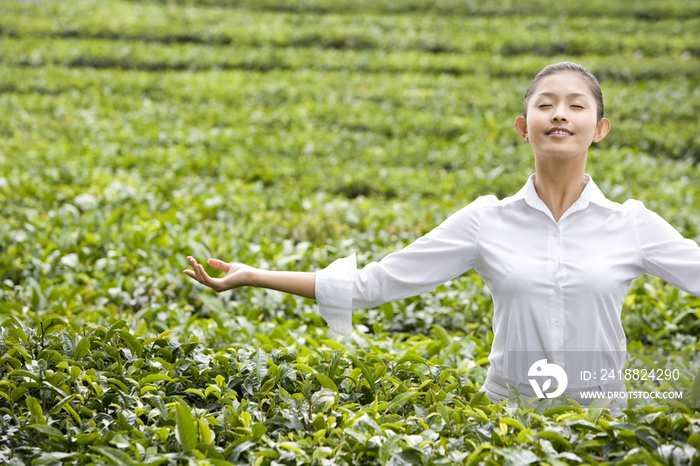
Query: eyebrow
[573,94]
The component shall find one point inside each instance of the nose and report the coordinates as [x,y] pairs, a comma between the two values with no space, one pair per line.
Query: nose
[559,115]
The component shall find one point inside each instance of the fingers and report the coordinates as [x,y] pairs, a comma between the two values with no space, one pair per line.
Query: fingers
[189,272]
[199,274]
[217,264]
[195,267]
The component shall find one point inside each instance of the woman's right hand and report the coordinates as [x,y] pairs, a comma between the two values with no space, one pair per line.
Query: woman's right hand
[236,274]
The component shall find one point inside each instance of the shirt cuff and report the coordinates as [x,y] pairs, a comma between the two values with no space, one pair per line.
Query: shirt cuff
[333,289]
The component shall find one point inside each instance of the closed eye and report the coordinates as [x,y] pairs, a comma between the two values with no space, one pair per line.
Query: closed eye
[577,106]
[544,105]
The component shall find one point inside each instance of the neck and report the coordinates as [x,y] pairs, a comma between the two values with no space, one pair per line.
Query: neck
[559,183]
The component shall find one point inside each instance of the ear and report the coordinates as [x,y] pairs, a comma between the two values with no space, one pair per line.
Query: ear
[521,127]
[601,130]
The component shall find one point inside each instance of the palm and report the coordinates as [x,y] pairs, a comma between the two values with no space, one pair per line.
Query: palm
[234,277]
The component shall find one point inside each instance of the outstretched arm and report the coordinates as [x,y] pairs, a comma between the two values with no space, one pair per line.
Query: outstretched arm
[665,252]
[237,275]
[443,254]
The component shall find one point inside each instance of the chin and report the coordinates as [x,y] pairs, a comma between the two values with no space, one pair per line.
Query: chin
[562,156]
[562,153]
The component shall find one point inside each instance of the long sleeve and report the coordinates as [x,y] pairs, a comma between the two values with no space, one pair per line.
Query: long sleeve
[665,252]
[441,255]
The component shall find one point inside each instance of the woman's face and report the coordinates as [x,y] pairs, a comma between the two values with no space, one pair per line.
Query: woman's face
[562,117]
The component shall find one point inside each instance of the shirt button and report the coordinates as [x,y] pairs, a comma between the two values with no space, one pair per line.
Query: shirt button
[557,323]
[556,234]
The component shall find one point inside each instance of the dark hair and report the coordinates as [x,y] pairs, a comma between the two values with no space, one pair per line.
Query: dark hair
[562,67]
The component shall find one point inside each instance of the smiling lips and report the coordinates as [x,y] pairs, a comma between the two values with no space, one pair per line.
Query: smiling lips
[558,132]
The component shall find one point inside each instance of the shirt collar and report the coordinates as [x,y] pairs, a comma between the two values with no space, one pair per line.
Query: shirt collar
[591,193]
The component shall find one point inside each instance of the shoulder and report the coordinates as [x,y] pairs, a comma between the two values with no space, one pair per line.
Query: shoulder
[639,210]
[477,209]
[470,215]
[647,222]
[486,201]
[633,205]
[477,206]
[630,206]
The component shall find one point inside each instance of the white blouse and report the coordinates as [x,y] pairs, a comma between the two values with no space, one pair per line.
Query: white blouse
[556,286]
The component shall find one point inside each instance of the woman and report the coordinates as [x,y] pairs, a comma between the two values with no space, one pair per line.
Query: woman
[558,257]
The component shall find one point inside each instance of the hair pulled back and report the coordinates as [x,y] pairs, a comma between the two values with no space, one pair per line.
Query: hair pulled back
[567,67]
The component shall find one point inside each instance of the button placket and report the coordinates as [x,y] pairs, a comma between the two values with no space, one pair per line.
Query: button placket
[558,311]
[558,243]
